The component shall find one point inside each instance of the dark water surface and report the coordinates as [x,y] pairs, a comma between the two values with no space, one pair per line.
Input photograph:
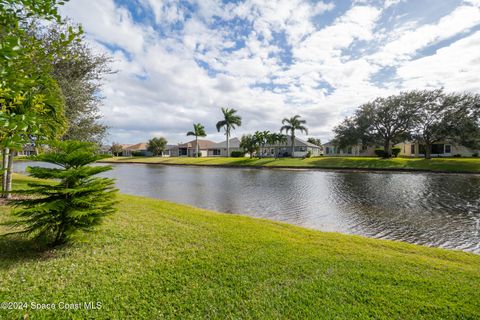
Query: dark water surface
[440,210]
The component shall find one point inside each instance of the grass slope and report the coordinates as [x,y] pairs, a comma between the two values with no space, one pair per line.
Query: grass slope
[156,259]
[441,165]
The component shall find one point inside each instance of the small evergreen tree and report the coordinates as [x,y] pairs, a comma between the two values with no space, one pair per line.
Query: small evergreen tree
[77,201]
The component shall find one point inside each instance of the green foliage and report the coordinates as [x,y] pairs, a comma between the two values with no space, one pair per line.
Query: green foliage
[475,154]
[250,144]
[396,151]
[291,125]
[229,121]
[198,131]
[79,72]
[380,152]
[116,149]
[309,154]
[237,154]
[157,146]
[315,141]
[78,201]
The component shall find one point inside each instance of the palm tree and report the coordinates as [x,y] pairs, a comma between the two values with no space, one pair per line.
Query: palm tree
[230,120]
[276,138]
[198,131]
[291,125]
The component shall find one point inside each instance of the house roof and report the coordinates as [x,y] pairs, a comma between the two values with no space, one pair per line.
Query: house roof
[136,147]
[298,142]
[202,144]
[234,143]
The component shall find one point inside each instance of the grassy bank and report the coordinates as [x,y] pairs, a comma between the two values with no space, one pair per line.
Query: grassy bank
[157,259]
[435,165]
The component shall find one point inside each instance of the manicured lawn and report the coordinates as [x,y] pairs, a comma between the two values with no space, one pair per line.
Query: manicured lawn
[442,164]
[155,259]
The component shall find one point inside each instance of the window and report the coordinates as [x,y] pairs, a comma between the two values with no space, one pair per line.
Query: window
[216,152]
[301,149]
[412,149]
[437,148]
[349,150]
[448,148]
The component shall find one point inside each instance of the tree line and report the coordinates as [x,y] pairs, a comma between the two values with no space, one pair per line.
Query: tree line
[250,143]
[423,116]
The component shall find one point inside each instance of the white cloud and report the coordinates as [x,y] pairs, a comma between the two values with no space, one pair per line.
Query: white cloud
[277,63]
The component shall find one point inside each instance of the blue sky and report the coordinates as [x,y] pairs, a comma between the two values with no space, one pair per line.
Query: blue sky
[178,62]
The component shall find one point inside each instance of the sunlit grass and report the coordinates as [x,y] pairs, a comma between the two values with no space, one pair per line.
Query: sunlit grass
[155,259]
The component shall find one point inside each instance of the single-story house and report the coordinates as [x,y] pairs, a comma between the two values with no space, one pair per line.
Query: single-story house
[441,149]
[139,149]
[358,150]
[284,149]
[220,149]
[189,149]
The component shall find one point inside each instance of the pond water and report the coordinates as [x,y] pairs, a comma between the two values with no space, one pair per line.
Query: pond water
[440,210]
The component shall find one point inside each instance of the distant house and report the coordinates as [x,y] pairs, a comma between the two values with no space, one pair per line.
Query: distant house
[139,149]
[302,148]
[220,149]
[189,149]
[330,149]
[27,150]
[442,149]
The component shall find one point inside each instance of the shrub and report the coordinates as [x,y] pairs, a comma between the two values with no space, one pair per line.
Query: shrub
[458,155]
[475,155]
[77,201]
[237,154]
[138,154]
[396,151]
[309,154]
[380,152]
[199,154]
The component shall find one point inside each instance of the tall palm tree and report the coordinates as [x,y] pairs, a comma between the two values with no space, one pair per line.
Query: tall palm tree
[198,131]
[291,125]
[230,120]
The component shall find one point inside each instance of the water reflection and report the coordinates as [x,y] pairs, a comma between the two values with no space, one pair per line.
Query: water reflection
[432,209]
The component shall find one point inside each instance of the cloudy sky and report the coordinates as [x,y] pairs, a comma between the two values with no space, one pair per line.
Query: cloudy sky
[178,62]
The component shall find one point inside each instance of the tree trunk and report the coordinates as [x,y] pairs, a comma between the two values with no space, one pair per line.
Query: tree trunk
[9,175]
[386,149]
[5,154]
[428,151]
[293,145]
[228,142]
[196,142]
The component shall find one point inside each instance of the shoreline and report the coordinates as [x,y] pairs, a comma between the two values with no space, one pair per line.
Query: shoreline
[303,168]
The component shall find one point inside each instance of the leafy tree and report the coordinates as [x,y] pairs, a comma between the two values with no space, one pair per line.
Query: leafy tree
[250,144]
[75,201]
[198,131]
[79,72]
[291,125]
[315,141]
[26,78]
[157,146]
[230,120]
[116,149]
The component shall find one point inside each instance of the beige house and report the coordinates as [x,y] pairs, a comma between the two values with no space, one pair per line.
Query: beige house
[443,149]
[189,149]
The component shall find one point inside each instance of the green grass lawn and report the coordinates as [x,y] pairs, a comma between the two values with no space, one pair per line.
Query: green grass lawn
[439,164]
[155,259]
